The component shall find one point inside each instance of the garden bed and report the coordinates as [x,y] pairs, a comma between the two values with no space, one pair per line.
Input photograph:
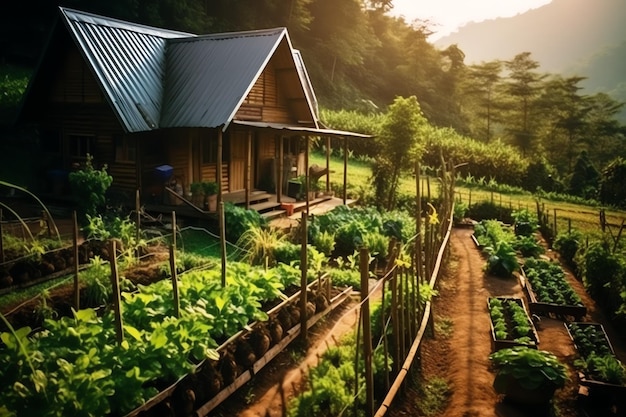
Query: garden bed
[510,324]
[600,371]
[548,291]
[197,393]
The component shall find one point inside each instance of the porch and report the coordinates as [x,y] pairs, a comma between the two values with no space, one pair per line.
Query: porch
[282,214]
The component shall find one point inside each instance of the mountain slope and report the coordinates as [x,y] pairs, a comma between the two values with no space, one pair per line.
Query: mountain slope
[582,37]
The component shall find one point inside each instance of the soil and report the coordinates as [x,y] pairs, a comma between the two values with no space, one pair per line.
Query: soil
[459,356]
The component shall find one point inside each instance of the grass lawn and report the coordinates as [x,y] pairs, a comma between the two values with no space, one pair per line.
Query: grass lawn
[584,218]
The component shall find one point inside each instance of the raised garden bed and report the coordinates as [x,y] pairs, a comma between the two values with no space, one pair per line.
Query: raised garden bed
[510,324]
[549,292]
[241,357]
[600,371]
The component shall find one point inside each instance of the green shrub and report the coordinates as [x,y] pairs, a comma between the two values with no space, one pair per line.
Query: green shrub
[238,220]
[287,253]
[486,210]
[325,242]
[89,186]
[567,245]
[604,276]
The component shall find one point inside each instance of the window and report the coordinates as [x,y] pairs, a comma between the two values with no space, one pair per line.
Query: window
[81,145]
[125,149]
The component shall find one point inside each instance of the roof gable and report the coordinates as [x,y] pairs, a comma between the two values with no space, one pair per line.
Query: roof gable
[155,78]
[208,77]
[128,60]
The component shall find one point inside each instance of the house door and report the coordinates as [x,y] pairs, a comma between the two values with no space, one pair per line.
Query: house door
[238,152]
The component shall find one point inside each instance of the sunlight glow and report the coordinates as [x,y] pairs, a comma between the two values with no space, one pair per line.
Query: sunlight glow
[447,16]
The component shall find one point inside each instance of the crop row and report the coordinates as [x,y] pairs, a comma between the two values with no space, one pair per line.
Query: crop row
[78,366]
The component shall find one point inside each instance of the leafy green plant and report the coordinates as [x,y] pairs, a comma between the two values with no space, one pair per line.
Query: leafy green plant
[510,321]
[525,222]
[325,242]
[502,259]
[549,284]
[567,244]
[528,246]
[532,369]
[89,186]
[238,220]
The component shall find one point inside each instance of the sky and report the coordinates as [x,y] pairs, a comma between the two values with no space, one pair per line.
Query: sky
[449,15]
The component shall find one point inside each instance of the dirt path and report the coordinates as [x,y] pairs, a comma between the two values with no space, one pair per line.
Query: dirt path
[460,357]
[463,357]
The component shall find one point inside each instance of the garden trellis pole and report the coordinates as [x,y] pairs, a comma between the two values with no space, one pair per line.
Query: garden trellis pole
[222,223]
[173,268]
[75,248]
[367,332]
[303,279]
[117,300]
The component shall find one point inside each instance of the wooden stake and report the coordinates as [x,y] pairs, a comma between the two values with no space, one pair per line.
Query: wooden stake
[117,300]
[75,247]
[367,333]
[173,268]
[303,279]
[222,224]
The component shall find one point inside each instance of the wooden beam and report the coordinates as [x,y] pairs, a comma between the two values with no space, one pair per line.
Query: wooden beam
[345,170]
[281,168]
[248,168]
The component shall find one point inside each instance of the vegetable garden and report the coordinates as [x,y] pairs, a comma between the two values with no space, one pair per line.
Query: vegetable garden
[180,338]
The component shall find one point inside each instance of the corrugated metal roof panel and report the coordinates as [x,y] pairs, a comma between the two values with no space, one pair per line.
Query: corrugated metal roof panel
[129,62]
[208,77]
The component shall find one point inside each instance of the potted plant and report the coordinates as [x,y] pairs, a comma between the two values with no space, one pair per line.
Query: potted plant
[197,193]
[210,189]
[527,376]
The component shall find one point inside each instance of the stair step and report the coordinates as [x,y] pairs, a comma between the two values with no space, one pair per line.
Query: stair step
[264,206]
[273,214]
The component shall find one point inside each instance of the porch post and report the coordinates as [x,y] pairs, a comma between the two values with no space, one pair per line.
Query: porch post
[218,174]
[306,173]
[281,168]
[345,170]
[248,168]
[327,164]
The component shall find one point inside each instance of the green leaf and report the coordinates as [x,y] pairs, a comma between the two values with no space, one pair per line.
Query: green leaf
[220,303]
[136,334]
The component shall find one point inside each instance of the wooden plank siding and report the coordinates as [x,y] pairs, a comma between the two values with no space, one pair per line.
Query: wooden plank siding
[263,102]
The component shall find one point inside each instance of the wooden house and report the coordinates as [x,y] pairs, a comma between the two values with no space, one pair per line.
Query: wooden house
[160,106]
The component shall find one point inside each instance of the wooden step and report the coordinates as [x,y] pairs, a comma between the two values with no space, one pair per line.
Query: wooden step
[273,214]
[264,206]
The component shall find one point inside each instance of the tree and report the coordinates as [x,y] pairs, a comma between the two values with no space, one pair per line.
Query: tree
[584,178]
[523,86]
[612,180]
[480,86]
[399,142]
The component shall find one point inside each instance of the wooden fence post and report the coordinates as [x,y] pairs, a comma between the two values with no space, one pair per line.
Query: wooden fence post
[303,278]
[367,332]
[75,248]
[117,300]
[222,224]
[173,268]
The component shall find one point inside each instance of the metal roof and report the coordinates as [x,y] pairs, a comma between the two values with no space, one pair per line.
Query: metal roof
[208,77]
[156,78]
[128,61]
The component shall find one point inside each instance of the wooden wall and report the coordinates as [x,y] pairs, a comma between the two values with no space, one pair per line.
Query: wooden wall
[264,101]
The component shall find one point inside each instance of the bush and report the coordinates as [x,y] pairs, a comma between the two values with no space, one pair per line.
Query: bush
[604,275]
[567,245]
[89,187]
[238,220]
[486,210]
